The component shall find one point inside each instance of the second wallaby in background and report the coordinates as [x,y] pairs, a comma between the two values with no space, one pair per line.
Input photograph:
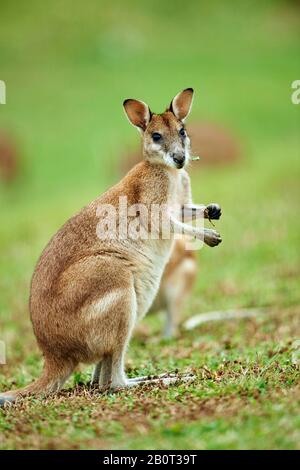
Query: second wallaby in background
[176,284]
[90,288]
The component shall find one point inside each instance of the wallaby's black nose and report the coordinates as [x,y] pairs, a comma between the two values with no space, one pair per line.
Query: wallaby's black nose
[179,160]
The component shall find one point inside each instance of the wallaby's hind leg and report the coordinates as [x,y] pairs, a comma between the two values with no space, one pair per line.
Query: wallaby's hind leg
[96,374]
[102,374]
[176,288]
[110,331]
[118,376]
[54,375]
[111,372]
[171,323]
[105,372]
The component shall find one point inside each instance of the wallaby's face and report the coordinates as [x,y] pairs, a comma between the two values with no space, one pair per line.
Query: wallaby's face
[165,139]
[164,136]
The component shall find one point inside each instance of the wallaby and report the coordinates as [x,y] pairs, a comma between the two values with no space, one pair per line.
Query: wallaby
[176,284]
[89,290]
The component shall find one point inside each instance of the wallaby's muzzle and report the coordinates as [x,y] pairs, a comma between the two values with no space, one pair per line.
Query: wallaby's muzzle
[179,160]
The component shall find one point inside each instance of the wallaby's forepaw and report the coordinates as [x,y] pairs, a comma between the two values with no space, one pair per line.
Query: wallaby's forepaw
[213,211]
[211,237]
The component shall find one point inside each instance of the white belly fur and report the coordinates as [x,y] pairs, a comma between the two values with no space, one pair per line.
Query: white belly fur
[149,272]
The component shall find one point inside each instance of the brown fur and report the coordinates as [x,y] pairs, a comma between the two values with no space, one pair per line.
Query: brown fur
[73,267]
[87,293]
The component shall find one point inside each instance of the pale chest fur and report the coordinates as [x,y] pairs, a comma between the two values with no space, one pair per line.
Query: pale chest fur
[154,254]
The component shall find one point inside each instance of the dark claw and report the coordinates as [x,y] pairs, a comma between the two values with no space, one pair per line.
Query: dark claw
[213,211]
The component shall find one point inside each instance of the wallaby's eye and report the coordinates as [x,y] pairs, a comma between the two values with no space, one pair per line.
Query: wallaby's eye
[156,136]
[182,132]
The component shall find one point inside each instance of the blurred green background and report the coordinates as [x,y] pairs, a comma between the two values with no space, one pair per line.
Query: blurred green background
[68,66]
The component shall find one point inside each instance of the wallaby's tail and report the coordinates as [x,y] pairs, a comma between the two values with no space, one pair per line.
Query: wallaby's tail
[196,320]
[52,379]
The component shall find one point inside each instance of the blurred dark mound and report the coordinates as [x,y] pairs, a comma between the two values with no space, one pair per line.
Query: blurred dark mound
[215,145]
[8,158]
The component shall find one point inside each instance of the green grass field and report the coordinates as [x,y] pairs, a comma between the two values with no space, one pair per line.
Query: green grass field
[67,67]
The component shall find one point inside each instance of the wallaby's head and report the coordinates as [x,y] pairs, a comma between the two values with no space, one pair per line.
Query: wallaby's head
[164,136]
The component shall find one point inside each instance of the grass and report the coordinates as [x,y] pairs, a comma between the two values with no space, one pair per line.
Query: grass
[66,77]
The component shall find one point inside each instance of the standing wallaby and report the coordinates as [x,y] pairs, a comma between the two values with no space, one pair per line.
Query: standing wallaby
[89,290]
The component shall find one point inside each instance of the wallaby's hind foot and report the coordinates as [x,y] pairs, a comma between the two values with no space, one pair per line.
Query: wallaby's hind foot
[164,379]
[96,374]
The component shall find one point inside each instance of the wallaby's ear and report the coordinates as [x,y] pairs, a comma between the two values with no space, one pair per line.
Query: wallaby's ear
[138,113]
[182,103]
